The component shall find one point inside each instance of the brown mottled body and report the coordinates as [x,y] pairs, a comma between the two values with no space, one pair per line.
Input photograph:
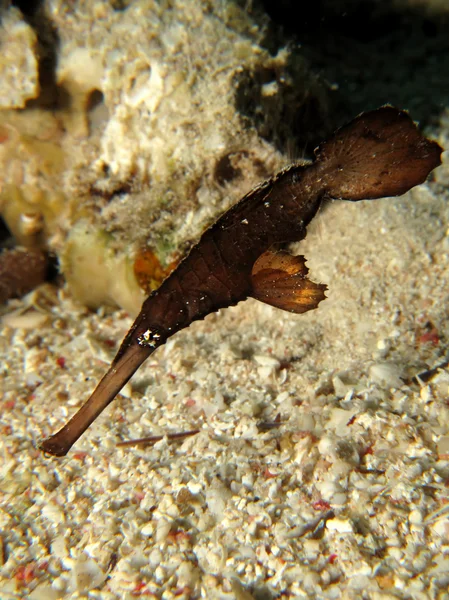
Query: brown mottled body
[217,271]
[380,153]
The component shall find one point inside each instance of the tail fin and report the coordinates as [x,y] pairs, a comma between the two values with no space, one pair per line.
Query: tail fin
[380,153]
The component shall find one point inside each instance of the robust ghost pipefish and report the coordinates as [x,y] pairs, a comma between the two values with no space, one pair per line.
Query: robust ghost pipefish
[380,153]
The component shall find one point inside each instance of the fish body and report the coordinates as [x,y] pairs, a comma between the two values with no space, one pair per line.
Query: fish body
[217,271]
[380,153]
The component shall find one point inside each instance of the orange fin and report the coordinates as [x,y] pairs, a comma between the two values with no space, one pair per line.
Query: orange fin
[279,279]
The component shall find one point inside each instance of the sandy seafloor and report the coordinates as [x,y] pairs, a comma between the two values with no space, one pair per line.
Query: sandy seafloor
[347,497]
[321,469]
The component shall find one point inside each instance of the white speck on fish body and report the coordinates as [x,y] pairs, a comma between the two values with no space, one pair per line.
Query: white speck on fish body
[148,338]
[245,221]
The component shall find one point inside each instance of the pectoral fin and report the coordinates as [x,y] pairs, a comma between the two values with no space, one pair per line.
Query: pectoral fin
[279,279]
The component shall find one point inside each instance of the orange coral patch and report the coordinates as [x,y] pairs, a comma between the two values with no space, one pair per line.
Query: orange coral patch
[148,270]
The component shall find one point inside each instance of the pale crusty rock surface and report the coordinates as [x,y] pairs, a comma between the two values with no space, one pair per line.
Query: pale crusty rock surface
[345,498]
[18,63]
[149,143]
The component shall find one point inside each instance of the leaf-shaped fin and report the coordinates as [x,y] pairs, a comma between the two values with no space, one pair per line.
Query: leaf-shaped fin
[279,279]
[380,153]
